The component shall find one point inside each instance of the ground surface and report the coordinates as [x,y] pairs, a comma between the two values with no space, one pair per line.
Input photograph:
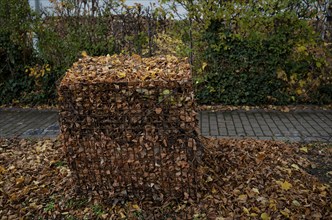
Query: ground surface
[299,125]
[238,179]
[295,126]
[28,123]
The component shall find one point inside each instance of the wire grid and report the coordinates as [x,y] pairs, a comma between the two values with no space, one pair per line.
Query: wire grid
[131,140]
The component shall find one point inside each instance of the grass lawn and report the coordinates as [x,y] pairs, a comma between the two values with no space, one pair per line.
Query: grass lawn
[240,179]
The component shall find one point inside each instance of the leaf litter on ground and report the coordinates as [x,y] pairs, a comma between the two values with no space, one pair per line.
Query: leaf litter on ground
[240,179]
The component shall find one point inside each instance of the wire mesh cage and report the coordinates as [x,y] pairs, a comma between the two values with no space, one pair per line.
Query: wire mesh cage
[130,139]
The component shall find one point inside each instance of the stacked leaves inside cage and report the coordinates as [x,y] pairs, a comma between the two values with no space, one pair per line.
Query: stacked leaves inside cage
[129,127]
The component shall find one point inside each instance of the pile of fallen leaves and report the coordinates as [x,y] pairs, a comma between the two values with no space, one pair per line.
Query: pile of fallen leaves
[124,68]
[241,179]
[320,155]
[129,126]
[263,179]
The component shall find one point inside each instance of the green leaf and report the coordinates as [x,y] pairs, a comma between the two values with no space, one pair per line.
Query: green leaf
[166,92]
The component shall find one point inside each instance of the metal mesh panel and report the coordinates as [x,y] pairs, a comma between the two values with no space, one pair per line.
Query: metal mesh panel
[131,139]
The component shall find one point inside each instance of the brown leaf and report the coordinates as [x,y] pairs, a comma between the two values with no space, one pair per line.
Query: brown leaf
[158,110]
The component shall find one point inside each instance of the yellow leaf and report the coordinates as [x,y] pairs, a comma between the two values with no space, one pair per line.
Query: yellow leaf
[204,65]
[299,91]
[122,215]
[296,203]
[2,170]
[255,190]
[253,215]
[209,179]
[136,207]
[273,204]
[255,209]
[214,191]
[301,49]
[122,74]
[296,167]
[265,216]
[286,185]
[84,53]
[284,213]
[302,83]
[293,78]
[304,149]
[243,197]
[245,210]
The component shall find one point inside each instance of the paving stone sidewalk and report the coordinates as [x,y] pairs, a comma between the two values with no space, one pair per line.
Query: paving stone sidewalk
[295,126]
[28,123]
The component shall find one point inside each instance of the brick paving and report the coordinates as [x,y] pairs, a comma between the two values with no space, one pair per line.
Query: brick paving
[28,123]
[295,126]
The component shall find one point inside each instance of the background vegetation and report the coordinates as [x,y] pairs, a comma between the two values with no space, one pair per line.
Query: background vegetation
[243,52]
[261,52]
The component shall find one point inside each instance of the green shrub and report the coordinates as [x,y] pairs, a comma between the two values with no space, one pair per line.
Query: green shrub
[308,73]
[242,72]
[36,85]
[62,39]
[15,37]
[259,52]
[16,49]
[12,89]
[245,52]
[29,73]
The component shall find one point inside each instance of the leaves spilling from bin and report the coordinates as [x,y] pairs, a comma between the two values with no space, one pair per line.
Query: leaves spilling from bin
[240,179]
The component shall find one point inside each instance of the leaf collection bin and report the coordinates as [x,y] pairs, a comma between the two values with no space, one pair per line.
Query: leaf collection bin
[129,127]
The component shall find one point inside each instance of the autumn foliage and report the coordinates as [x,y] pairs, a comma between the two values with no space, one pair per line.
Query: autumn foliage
[129,126]
[241,179]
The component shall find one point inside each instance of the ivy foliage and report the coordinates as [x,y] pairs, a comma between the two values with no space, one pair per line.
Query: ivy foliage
[242,72]
[259,52]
